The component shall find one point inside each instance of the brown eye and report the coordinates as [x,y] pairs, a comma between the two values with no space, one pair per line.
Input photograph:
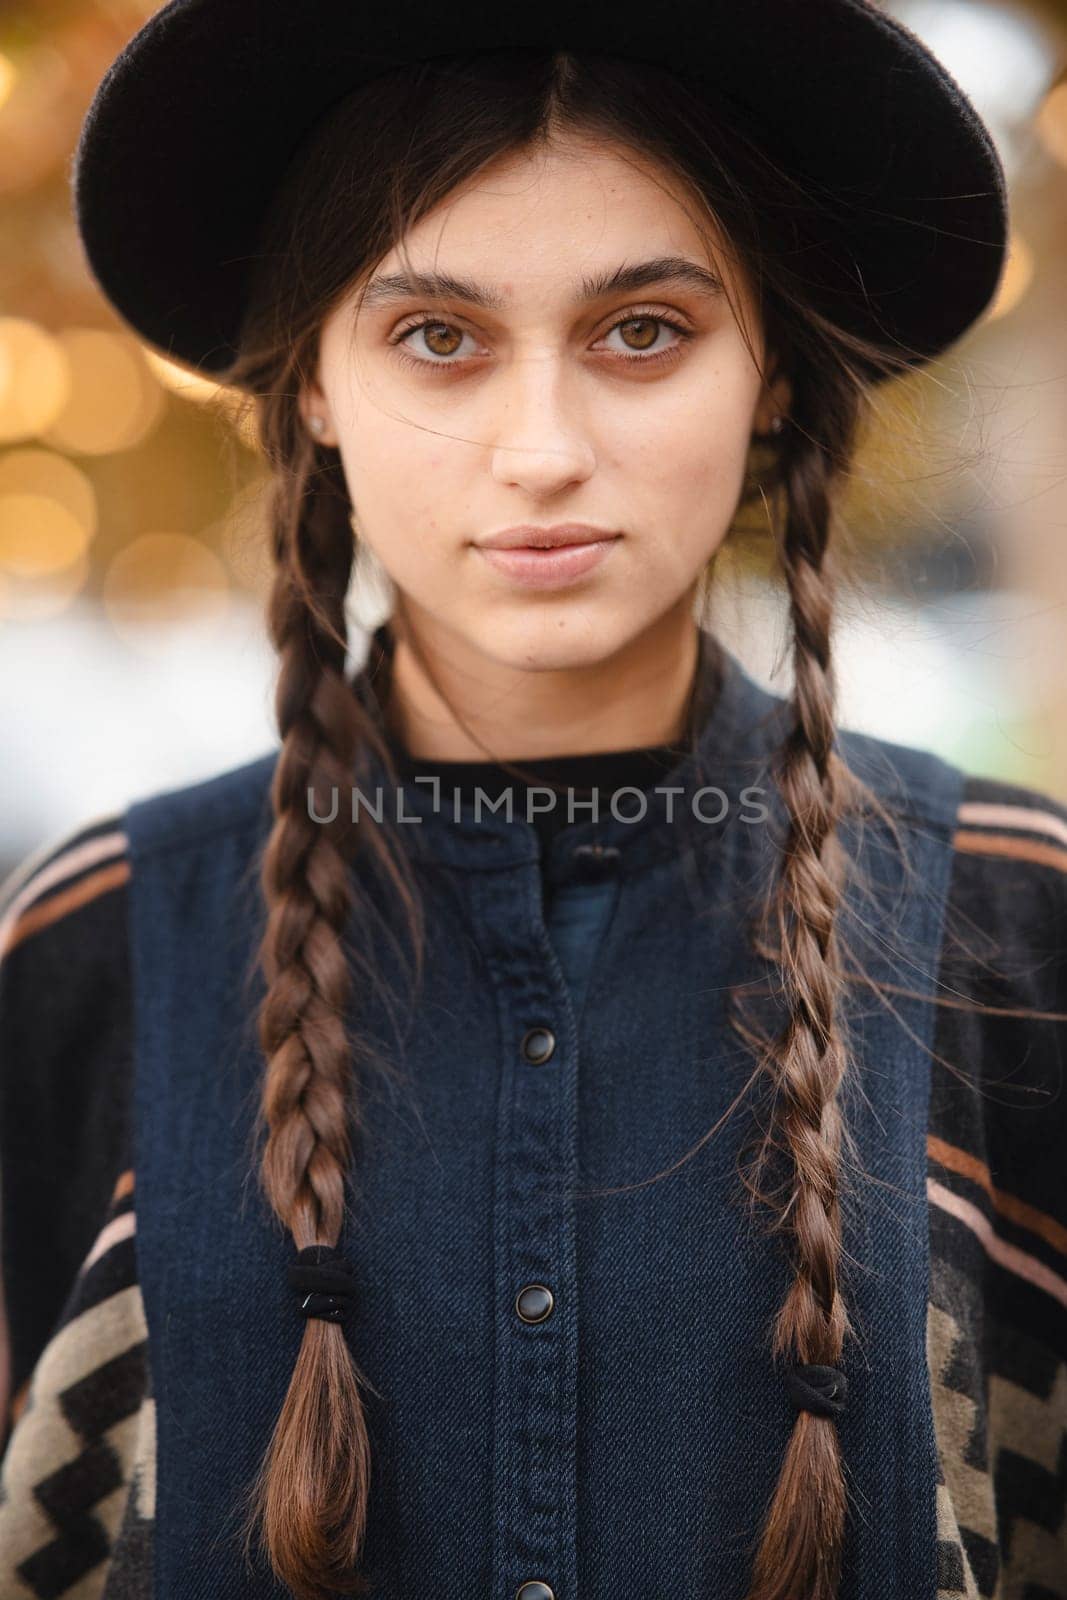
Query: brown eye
[640,332]
[441,338]
[437,340]
[646,327]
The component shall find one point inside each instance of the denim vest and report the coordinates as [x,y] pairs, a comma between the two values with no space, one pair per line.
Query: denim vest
[572,1388]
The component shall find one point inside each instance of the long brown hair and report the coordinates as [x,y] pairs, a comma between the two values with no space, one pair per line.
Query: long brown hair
[380,160]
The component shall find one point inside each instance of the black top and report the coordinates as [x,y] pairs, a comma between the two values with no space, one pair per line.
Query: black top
[606,771]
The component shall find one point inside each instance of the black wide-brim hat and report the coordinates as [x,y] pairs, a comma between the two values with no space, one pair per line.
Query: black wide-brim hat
[192,126]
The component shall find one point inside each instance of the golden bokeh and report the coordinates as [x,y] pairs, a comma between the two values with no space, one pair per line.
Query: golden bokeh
[35,471]
[7,79]
[48,513]
[228,403]
[38,535]
[35,379]
[1051,123]
[114,402]
[43,596]
[180,380]
[1017,278]
[164,578]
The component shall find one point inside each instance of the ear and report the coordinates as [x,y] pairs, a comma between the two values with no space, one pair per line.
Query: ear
[312,402]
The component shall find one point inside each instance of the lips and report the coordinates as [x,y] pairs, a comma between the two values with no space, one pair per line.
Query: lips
[529,536]
[549,567]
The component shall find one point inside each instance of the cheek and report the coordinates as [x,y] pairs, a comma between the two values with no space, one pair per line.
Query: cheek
[699,423]
[693,455]
[683,468]
[403,497]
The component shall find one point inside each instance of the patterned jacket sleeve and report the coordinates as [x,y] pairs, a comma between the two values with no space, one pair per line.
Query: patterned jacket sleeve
[77,1474]
[997,1193]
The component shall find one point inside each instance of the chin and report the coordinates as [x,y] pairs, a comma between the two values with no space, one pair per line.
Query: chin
[553,641]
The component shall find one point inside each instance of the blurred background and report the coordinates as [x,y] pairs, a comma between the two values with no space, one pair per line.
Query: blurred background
[133,565]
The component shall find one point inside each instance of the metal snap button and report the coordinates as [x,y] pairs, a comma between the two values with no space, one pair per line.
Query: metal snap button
[535,1589]
[534,1303]
[595,860]
[538,1044]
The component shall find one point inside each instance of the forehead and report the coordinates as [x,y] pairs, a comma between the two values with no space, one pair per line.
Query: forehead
[572,222]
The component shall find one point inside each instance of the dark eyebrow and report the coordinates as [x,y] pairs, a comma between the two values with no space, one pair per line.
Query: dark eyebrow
[676,270]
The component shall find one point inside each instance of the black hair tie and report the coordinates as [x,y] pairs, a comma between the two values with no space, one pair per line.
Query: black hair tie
[818,1389]
[326,1280]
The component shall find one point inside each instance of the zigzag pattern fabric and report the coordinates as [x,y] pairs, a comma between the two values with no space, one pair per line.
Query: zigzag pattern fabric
[77,1489]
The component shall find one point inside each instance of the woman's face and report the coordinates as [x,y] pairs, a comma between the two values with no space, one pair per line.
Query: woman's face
[533,391]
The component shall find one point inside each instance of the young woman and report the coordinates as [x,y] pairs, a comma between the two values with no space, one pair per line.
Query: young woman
[593,1126]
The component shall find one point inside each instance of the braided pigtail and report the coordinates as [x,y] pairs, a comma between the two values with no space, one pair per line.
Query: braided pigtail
[800,1548]
[310,1496]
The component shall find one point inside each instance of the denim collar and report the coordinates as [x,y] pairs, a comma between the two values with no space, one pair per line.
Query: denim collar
[738,725]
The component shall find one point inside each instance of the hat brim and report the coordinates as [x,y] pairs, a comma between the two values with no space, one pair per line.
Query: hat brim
[190,129]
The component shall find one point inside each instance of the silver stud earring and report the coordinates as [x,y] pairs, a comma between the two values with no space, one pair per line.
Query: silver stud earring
[317,426]
[777,424]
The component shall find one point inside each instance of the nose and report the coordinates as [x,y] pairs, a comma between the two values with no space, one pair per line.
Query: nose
[540,446]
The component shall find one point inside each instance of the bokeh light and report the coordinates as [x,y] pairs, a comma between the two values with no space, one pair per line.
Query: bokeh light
[8,75]
[50,476]
[180,380]
[41,597]
[1051,123]
[228,403]
[113,402]
[38,81]
[35,379]
[1017,278]
[161,580]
